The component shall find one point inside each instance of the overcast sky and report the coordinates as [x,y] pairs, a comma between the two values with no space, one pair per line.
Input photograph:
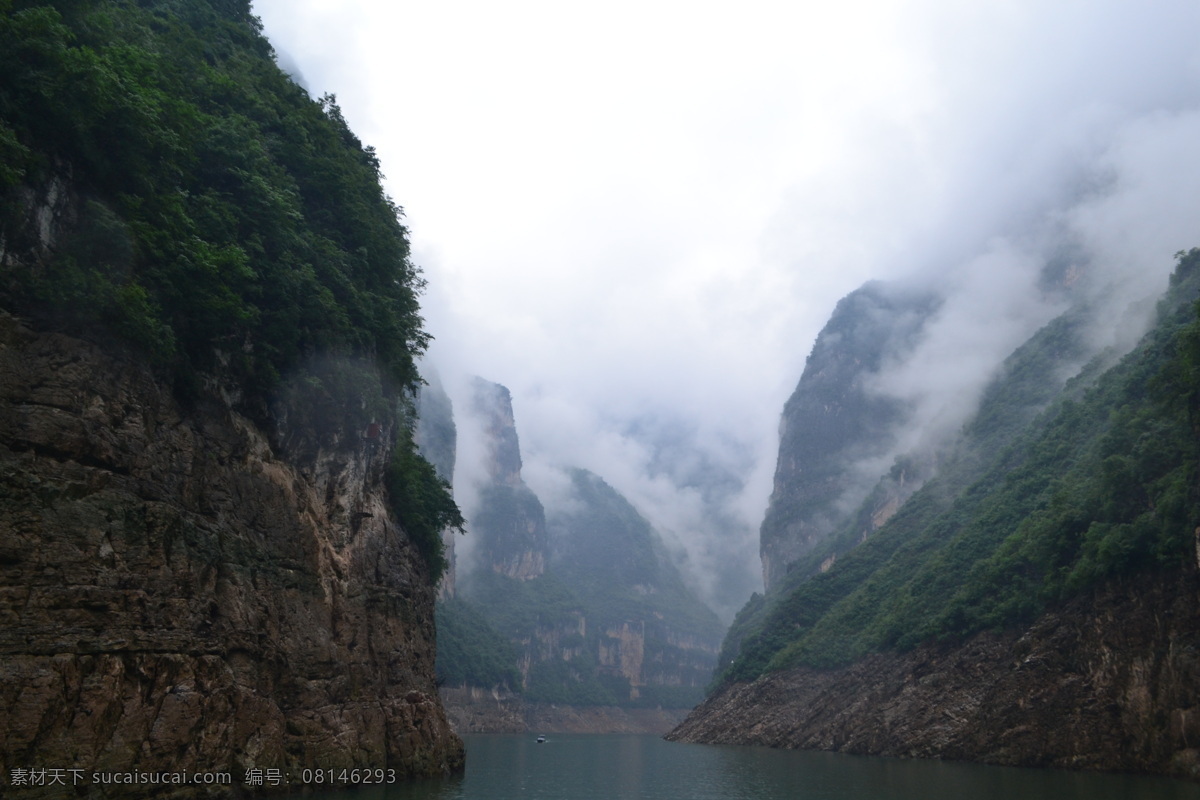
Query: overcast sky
[638,215]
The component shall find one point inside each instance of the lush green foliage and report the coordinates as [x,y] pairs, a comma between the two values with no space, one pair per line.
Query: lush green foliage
[519,610]
[514,607]
[609,578]
[509,519]
[435,433]
[470,651]
[616,563]
[215,217]
[229,223]
[422,502]
[1102,484]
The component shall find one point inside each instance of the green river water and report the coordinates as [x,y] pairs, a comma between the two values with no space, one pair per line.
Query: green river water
[627,767]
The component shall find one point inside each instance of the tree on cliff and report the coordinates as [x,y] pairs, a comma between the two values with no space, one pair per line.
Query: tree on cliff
[1098,487]
[163,182]
[228,213]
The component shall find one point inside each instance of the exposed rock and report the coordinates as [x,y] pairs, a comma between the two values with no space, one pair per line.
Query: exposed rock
[175,594]
[475,710]
[492,404]
[834,421]
[648,627]
[625,651]
[1110,682]
[509,523]
[594,609]
[436,438]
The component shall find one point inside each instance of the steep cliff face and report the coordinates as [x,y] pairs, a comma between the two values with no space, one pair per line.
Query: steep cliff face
[834,421]
[179,593]
[1034,602]
[1111,681]
[585,600]
[509,523]
[473,709]
[200,568]
[610,622]
[436,438]
[649,629]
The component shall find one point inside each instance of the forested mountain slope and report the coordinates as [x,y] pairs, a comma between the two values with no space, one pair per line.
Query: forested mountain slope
[834,419]
[218,545]
[1052,556]
[577,604]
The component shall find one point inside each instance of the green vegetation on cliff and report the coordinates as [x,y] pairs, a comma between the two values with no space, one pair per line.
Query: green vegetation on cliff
[470,651]
[163,182]
[228,217]
[608,622]
[614,560]
[1101,484]
[835,417]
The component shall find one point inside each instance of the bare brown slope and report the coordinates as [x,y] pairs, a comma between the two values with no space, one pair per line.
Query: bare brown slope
[1110,682]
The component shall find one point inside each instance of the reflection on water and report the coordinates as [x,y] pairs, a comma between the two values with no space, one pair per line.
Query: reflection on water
[628,767]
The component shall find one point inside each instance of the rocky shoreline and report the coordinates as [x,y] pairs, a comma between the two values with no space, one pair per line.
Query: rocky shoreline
[1109,681]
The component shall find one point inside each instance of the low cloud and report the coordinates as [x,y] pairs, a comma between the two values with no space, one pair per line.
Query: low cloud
[643,248]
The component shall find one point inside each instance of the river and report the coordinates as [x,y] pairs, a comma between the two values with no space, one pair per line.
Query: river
[630,767]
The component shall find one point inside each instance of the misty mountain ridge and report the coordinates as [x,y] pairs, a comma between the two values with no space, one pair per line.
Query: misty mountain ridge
[835,423]
[574,603]
[870,420]
[1073,479]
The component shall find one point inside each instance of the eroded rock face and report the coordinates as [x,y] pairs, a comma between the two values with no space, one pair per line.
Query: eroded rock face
[436,438]
[175,595]
[835,425]
[509,522]
[1110,682]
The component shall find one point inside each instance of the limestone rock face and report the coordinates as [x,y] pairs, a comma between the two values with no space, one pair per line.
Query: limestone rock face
[834,420]
[510,522]
[436,438]
[492,404]
[587,595]
[1109,682]
[177,594]
[650,629]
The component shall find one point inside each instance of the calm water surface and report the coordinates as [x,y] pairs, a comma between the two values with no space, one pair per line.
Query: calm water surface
[626,767]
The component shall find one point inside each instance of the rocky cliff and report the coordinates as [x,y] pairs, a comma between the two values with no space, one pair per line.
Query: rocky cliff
[436,438]
[182,591]
[609,622]
[1033,603]
[576,606]
[509,523]
[473,709]
[208,339]
[644,625]
[834,423]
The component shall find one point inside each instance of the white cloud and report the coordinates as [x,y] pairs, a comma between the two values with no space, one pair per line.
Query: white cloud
[642,210]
